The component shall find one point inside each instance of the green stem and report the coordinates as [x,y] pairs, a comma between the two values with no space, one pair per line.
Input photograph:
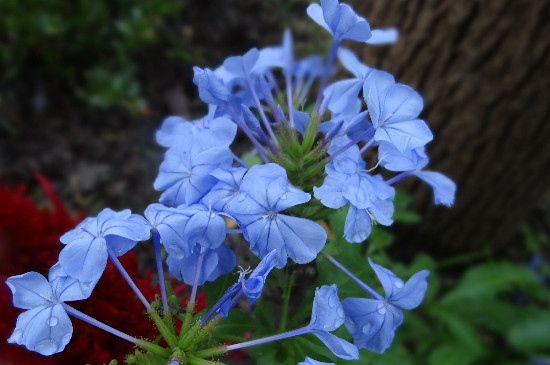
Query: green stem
[189,336]
[168,333]
[186,324]
[286,300]
[154,349]
[205,331]
[198,361]
[211,352]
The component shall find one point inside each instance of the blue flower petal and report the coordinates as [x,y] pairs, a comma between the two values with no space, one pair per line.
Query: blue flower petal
[327,313]
[206,228]
[85,259]
[330,193]
[304,238]
[339,347]
[383,36]
[358,225]
[44,329]
[30,290]
[371,323]
[66,288]
[411,294]
[443,187]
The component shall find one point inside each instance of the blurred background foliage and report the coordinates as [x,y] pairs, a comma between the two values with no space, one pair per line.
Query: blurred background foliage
[86,83]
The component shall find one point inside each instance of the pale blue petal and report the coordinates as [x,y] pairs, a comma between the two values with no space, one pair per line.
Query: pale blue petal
[358,225]
[375,89]
[301,120]
[411,294]
[409,134]
[46,330]
[85,259]
[330,193]
[268,58]
[327,313]
[172,131]
[66,288]
[242,65]
[391,283]
[206,228]
[394,160]
[352,64]
[253,286]
[401,103]
[443,187]
[30,290]
[281,195]
[351,26]
[344,95]
[371,323]
[304,238]
[89,224]
[383,36]
[315,12]
[226,262]
[341,348]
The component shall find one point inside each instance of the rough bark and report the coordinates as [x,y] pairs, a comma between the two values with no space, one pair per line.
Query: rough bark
[483,68]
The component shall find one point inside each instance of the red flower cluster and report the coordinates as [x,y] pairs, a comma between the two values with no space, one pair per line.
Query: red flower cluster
[29,241]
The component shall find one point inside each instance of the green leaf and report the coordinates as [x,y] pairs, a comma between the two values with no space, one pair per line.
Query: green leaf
[492,278]
[532,334]
[450,355]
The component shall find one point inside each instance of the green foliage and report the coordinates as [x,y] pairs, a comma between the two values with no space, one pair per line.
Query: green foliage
[86,46]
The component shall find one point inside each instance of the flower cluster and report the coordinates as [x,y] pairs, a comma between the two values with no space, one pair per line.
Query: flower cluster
[310,155]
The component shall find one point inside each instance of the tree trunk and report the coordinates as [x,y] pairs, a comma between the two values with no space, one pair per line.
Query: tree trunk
[483,68]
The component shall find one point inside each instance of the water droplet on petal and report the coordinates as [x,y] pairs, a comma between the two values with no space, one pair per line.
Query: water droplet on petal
[366,328]
[242,196]
[381,308]
[398,284]
[332,300]
[350,325]
[16,336]
[47,347]
[338,323]
[65,340]
[212,215]
[340,312]
[53,321]
[283,197]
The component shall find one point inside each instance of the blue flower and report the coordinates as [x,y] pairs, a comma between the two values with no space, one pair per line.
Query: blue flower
[215,262]
[345,92]
[212,90]
[184,175]
[85,255]
[264,193]
[372,322]
[226,189]
[393,110]
[326,316]
[170,223]
[413,161]
[203,133]
[45,327]
[347,181]
[253,286]
[340,20]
